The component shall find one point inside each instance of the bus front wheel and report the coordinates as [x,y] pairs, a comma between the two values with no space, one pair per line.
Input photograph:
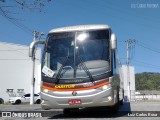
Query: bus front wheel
[69,110]
[66,111]
[116,106]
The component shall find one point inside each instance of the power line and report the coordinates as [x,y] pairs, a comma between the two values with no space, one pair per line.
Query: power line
[17,59]
[148,48]
[117,9]
[130,49]
[18,24]
[147,64]
[129,46]
[16,21]
[141,44]
[9,48]
[144,64]
[115,6]
[13,49]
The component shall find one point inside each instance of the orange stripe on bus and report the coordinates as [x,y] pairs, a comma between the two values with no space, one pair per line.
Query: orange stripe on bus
[75,89]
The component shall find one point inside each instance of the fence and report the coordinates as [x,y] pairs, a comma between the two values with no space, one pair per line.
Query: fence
[147,95]
[142,95]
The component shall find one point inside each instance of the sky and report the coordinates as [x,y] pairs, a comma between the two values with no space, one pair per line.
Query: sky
[129,19]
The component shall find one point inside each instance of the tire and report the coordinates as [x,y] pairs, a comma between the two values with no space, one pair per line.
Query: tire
[1,101]
[115,108]
[18,102]
[38,101]
[122,101]
[69,110]
[66,111]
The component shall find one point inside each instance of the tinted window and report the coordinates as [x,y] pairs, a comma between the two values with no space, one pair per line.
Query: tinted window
[36,95]
[27,95]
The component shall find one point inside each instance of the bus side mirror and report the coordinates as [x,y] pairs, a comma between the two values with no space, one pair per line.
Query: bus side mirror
[113,41]
[32,46]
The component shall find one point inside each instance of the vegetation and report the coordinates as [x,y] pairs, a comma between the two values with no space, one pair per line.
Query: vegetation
[147,81]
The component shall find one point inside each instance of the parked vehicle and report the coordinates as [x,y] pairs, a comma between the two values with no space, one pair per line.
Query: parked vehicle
[80,68]
[1,101]
[25,99]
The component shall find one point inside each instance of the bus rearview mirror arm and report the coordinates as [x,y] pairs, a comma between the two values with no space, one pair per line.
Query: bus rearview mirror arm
[113,41]
[32,46]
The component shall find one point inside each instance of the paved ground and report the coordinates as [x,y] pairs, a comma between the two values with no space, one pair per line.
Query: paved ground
[128,111]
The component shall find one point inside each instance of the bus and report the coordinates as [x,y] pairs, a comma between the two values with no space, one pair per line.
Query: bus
[79,68]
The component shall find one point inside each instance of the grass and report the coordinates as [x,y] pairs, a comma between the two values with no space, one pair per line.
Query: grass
[7,103]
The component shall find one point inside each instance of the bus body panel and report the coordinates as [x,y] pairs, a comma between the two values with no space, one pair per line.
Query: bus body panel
[99,98]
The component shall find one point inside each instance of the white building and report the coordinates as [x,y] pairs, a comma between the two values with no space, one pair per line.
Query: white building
[16,69]
[129,82]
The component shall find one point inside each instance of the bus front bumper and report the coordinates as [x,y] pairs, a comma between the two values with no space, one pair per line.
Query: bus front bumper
[99,98]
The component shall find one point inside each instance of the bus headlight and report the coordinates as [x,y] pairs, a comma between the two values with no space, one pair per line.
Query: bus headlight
[45,90]
[106,87]
[109,98]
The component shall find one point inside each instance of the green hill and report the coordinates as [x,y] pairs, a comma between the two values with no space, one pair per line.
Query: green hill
[147,81]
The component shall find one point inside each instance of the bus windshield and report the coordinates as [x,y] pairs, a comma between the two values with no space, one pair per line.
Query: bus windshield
[78,54]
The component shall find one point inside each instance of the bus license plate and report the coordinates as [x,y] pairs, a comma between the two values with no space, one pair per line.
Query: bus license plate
[74,101]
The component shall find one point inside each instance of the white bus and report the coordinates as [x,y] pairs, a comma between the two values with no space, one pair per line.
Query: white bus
[79,68]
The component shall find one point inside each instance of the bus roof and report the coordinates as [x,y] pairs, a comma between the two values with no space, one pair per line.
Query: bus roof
[78,28]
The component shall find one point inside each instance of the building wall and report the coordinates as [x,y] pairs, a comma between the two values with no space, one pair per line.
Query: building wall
[16,69]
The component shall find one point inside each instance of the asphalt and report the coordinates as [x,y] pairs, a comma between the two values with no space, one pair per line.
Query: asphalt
[134,110]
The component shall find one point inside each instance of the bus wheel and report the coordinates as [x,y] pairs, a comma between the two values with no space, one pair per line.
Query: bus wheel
[66,111]
[122,101]
[69,110]
[115,107]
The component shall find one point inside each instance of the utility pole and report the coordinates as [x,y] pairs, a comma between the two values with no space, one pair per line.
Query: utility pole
[33,77]
[129,43]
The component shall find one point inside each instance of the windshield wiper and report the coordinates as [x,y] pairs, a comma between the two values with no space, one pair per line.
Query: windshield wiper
[86,69]
[58,76]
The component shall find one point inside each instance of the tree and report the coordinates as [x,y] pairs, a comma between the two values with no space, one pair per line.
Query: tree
[148,81]
[9,7]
